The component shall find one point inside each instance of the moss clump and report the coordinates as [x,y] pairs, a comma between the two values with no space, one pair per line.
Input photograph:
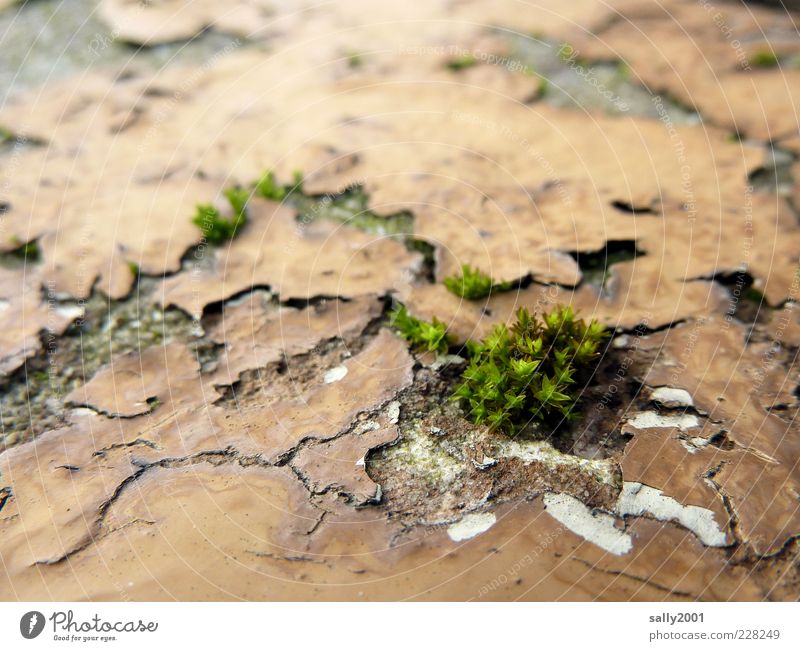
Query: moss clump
[462,62]
[28,251]
[544,87]
[355,59]
[474,284]
[268,187]
[217,228]
[763,59]
[423,335]
[532,371]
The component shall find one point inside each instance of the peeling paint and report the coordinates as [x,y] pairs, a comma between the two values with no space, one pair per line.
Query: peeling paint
[673,398]
[652,419]
[638,499]
[543,452]
[335,374]
[470,526]
[596,527]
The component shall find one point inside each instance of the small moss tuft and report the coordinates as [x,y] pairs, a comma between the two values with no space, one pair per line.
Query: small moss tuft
[269,188]
[532,371]
[763,59]
[216,228]
[464,61]
[431,337]
[544,87]
[28,251]
[354,59]
[473,284]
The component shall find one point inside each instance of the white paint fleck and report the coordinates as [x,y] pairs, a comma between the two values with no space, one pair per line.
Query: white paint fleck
[649,419]
[597,528]
[638,499]
[81,412]
[470,526]
[69,312]
[393,412]
[694,444]
[485,463]
[673,398]
[621,342]
[361,462]
[541,451]
[335,374]
[446,360]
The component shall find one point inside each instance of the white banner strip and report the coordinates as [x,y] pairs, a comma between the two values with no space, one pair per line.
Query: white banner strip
[405,626]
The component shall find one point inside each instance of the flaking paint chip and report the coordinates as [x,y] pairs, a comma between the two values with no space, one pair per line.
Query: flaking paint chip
[335,374]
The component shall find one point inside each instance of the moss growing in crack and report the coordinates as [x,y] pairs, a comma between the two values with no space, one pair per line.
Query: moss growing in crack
[532,371]
[763,59]
[423,335]
[351,208]
[354,59]
[473,284]
[543,87]
[461,63]
[269,188]
[25,251]
[215,227]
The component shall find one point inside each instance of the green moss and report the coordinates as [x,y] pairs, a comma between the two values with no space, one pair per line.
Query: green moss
[422,335]
[215,227]
[237,198]
[464,61]
[350,208]
[473,284]
[755,296]
[268,188]
[623,72]
[297,181]
[28,251]
[134,269]
[763,59]
[355,59]
[532,371]
[544,86]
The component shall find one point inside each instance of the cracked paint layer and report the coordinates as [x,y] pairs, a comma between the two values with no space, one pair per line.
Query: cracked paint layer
[275,440]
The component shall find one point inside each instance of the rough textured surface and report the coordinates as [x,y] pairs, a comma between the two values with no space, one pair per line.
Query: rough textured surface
[189,421]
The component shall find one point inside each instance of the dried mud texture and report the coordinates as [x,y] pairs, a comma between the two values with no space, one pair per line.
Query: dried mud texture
[283,443]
